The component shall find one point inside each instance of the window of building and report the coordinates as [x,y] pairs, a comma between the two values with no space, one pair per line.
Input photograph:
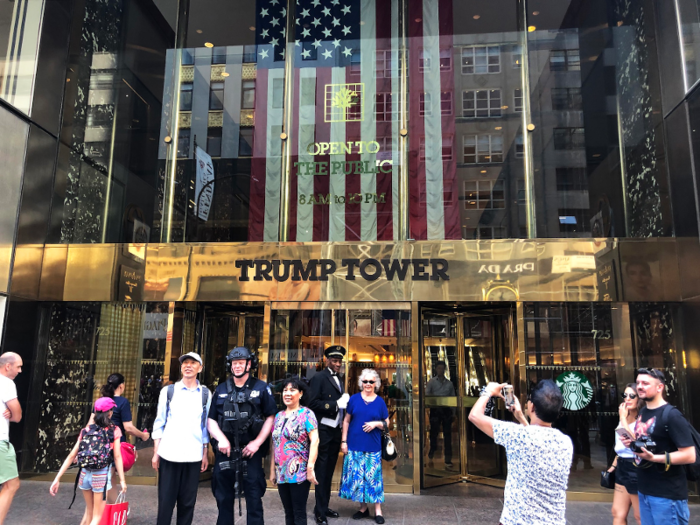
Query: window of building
[517,56]
[482,103]
[484,232]
[245,142]
[383,109]
[519,147]
[214,142]
[248,94]
[522,195]
[479,149]
[218,55]
[564,60]
[187,58]
[250,54]
[517,100]
[569,138]
[575,220]
[424,60]
[386,64]
[425,104]
[572,179]
[446,103]
[186,96]
[183,143]
[446,59]
[447,149]
[355,62]
[481,60]
[484,195]
[216,96]
[566,99]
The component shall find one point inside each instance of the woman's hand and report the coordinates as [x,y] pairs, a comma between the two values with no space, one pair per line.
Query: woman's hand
[623,411]
[273,476]
[123,484]
[53,489]
[344,448]
[612,467]
[311,475]
[371,425]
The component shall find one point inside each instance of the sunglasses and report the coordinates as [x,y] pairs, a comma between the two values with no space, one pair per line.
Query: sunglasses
[367,382]
[653,372]
[631,396]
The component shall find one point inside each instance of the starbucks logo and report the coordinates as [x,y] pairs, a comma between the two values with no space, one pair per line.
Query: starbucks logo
[577,390]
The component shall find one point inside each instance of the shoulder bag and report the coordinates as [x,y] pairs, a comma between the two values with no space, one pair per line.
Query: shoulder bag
[388,448]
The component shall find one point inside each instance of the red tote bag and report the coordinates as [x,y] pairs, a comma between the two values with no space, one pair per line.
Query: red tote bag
[117,513]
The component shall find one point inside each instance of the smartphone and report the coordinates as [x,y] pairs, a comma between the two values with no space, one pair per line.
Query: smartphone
[623,433]
[509,395]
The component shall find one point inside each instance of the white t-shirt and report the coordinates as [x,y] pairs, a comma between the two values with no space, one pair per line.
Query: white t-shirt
[8,392]
[620,448]
[539,460]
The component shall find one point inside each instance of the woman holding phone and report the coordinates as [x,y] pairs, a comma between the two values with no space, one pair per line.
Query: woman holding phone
[625,472]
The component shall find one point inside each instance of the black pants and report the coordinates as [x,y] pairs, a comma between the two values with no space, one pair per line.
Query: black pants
[177,484]
[253,485]
[328,450]
[441,418]
[294,497]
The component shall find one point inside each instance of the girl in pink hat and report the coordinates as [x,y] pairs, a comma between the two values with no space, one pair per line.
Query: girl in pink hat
[98,446]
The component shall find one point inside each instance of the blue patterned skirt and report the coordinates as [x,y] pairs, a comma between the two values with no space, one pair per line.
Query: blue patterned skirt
[362,477]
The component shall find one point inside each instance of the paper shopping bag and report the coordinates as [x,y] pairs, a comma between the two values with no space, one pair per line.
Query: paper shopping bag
[116,514]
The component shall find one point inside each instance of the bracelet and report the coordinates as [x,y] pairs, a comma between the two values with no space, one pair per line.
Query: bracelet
[668,461]
[343,441]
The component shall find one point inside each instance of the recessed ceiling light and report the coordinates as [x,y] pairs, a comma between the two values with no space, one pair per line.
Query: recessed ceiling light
[199,31]
[483,171]
[504,107]
[498,128]
[535,13]
[252,28]
[419,19]
[476,17]
[224,74]
[596,155]
[531,29]
[208,44]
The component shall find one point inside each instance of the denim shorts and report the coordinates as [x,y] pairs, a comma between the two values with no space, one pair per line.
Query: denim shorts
[95,480]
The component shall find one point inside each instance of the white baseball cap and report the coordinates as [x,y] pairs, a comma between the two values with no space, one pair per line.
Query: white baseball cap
[192,355]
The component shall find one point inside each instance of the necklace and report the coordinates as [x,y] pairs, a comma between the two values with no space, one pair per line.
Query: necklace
[368,402]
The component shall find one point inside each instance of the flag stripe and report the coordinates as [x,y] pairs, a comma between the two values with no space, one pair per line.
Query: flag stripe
[384,128]
[433,124]
[273,149]
[396,93]
[368,64]
[257,170]
[323,134]
[336,230]
[306,86]
[416,166]
[293,176]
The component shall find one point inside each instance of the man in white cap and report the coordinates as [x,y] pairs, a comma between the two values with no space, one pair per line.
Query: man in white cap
[181,442]
[10,411]
[328,400]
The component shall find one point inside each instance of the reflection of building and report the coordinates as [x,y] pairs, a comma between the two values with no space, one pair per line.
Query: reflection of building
[457,227]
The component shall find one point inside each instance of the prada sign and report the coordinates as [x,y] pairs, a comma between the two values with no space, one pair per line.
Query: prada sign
[319,269]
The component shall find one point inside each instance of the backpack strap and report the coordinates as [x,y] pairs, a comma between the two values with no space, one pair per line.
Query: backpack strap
[169,398]
[663,419]
[75,486]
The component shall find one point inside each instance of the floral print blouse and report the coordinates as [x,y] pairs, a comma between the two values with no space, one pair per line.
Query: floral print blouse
[291,441]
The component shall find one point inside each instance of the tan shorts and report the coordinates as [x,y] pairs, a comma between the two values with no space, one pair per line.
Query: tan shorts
[8,462]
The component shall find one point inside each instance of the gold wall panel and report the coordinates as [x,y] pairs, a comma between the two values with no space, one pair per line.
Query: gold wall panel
[5,262]
[26,274]
[492,271]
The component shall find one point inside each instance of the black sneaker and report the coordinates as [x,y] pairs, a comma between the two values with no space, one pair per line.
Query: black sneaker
[359,514]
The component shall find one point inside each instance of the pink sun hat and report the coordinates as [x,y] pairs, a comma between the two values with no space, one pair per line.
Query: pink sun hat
[104,404]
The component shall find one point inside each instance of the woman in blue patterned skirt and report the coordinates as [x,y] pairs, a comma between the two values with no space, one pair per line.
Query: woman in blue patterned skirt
[364,421]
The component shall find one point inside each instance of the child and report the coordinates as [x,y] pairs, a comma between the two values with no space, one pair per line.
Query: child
[92,481]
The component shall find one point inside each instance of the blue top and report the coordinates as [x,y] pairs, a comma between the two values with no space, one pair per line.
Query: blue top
[121,414]
[361,413]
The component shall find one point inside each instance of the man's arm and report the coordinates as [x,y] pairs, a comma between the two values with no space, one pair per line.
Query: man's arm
[159,426]
[682,456]
[477,415]
[318,404]
[16,410]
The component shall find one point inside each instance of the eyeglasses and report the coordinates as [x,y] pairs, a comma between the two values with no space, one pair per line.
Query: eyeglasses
[367,382]
[653,372]
[631,396]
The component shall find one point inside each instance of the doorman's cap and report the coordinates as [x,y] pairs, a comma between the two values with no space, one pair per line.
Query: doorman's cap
[335,351]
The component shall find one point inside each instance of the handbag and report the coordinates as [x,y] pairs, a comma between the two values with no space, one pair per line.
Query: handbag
[388,448]
[129,455]
[607,479]
[117,513]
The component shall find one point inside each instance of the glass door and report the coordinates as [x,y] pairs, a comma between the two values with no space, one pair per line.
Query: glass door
[463,350]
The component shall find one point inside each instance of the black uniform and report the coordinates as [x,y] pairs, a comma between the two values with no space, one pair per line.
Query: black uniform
[259,396]
[324,394]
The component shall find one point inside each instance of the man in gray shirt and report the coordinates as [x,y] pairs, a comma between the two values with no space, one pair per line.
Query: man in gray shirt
[440,417]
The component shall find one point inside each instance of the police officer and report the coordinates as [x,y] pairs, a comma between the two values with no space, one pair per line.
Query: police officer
[328,400]
[240,419]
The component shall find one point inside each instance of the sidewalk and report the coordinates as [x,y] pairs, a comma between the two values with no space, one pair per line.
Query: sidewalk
[457,504]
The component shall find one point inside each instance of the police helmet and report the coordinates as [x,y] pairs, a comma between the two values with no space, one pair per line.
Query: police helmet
[240,353]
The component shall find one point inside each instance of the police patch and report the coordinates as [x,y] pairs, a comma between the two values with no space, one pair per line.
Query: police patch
[269,391]
[255,393]
[223,395]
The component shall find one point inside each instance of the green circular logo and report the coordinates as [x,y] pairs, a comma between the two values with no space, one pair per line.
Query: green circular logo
[577,390]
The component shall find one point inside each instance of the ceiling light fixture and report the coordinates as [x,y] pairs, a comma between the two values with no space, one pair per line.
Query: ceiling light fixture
[531,29]
[535,13]
[199,31]
[208,44]
[476,17]
[483,171]
[224,74]
[498,128]
[252,28]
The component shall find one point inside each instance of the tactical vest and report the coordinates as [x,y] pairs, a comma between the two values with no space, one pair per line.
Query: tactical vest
[241,416]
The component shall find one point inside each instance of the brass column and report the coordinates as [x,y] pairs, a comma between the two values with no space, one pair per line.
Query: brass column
[527,125]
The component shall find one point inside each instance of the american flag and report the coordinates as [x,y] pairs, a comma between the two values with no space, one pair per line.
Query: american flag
[352,45]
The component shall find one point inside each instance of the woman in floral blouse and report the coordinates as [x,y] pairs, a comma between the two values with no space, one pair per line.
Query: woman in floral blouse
[294,448]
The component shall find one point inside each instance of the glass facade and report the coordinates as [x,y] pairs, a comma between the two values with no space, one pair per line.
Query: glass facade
[457,192]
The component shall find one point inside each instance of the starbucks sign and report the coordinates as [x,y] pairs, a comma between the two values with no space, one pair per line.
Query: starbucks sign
[577,390]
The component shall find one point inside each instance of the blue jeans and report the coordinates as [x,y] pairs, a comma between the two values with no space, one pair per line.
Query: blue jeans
[662,511]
